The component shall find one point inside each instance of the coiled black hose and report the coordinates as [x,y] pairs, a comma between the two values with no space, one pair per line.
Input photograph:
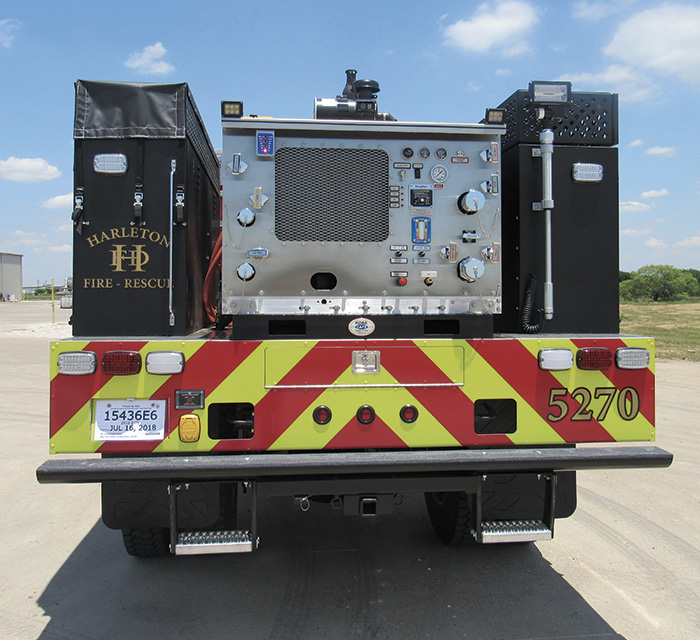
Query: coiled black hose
[527,311]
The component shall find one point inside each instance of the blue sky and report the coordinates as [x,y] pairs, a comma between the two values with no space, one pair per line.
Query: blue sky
[435,61]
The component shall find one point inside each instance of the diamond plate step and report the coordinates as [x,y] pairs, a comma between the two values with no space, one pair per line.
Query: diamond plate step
[204,542]
[515,531]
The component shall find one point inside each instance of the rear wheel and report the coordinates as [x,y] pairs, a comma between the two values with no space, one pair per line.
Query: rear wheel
[146,543]
[451,516]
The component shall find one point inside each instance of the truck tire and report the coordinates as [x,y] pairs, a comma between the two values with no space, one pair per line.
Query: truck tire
[146,543]
[450,515]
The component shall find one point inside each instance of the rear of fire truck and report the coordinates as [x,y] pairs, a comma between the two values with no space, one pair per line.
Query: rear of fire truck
[349,309]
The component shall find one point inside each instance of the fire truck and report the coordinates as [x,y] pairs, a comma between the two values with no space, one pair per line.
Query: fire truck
[343,310]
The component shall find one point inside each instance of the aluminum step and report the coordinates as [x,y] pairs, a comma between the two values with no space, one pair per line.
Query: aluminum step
[515,531]
[204,542]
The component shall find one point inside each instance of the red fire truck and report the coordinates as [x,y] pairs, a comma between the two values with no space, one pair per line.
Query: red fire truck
[344,309]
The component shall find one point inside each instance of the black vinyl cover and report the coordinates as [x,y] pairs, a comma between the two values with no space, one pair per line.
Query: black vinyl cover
[130,110]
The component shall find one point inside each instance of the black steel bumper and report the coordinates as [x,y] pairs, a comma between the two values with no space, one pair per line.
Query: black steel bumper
[335,464]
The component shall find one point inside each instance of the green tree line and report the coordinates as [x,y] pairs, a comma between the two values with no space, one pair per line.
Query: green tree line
[659,282]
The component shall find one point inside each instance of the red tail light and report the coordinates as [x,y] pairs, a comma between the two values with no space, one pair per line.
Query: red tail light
[121,363]
[322,415]
[594,358]
[408,413]
[365,414]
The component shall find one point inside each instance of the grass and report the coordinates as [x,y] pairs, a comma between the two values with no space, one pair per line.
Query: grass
[675,325]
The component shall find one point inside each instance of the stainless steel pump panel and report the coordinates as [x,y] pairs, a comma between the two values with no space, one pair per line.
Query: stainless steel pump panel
[358,218]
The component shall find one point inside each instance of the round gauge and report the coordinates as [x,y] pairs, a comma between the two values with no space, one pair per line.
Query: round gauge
[439,173]
[441,153]
[424,153]
[407,152]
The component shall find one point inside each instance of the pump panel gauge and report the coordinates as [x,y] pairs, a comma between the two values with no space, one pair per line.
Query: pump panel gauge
[439,173]
[441,153]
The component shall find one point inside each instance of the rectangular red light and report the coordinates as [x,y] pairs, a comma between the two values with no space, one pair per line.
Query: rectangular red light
[121,363]
[594,358]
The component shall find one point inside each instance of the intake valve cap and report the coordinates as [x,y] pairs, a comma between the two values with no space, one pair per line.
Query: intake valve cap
[470,269]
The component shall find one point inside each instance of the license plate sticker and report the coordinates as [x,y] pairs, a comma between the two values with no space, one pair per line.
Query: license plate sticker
[129,420]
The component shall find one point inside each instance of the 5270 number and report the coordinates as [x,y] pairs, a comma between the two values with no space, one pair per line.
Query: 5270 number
[627,404]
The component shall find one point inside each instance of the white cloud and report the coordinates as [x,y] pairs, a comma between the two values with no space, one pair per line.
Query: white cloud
[27,170]
[655,243]
[8,30]
[61,248]
[635,232]
[636,143]
[29,238]
[593,11]
[150,61]
[665,39]
[654,193]
[502,25]
[664,152]
[634,207]
[59,202]
[694,241]
[632,85]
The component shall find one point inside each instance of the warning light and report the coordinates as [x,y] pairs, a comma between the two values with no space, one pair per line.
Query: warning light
[408,413]
[121,363]
[231,109]
[594,358]
[365,414]
[322,415]
[632,358]
[77,363]
[189,427]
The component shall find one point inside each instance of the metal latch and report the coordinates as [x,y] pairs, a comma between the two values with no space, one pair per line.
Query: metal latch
[180,205]
[78,211]
[138,209]
[366,362]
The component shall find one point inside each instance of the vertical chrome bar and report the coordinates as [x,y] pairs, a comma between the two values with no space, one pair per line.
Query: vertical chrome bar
[547,148]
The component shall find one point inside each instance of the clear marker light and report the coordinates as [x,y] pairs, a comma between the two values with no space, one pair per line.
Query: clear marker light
[77,363]
[555,359]
[632,358]
[165,363]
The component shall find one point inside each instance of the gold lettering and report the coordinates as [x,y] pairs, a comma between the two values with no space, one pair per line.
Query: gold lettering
[92,240]
[97,283]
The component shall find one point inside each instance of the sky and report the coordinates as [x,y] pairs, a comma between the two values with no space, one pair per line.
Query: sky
[439,61]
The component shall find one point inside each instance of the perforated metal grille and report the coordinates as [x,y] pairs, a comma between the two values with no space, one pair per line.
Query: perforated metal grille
[198,137]
[331,195]
[590,120]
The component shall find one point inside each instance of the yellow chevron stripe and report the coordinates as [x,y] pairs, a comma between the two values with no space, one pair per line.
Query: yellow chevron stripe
[76,435]
[303,433]
[621,430]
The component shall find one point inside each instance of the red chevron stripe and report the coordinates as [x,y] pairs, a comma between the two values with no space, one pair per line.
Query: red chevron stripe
[69,394]
[448,405]
[518,367]
[641,379]
[206,369]
[355,435]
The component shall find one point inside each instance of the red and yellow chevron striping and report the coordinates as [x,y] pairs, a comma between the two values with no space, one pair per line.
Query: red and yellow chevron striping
[261,395]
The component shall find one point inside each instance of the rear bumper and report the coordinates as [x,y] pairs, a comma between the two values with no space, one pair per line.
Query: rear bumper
[338,464]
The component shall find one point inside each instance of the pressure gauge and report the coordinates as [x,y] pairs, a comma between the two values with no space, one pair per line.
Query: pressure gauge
[441,153]
[439,173]
[424,153]
[407,152]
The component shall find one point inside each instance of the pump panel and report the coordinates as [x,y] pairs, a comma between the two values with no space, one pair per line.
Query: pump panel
[368,218]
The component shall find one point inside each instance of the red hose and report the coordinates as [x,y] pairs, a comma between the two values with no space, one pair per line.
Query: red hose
[208,297]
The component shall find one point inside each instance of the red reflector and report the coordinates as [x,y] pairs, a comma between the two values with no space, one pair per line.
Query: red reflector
[121,363]
[408,413]
[322,415]
[365,414]
[594,358]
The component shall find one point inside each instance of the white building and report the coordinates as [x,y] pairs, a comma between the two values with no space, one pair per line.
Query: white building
[11,276]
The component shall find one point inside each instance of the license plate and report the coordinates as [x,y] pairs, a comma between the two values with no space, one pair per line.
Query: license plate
[129,420]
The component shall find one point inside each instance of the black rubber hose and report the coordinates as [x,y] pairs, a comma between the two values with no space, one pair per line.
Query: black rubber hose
[527,311]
